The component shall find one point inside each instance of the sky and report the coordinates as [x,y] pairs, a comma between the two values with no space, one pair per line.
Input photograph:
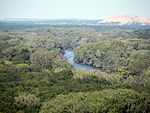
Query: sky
[85,9]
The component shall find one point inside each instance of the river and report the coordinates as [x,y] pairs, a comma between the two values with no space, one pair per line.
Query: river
[69,54]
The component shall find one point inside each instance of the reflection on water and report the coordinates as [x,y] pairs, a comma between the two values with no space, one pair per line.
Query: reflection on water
[69,54]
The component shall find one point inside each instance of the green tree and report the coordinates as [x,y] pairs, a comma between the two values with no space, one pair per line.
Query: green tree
[110,101]
[43,58]
[139,61]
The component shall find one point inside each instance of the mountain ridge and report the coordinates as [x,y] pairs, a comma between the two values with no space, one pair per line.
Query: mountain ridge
[126,20]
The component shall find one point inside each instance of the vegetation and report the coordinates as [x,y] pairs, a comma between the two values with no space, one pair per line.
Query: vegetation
[109,56]
[36,78]
[106,101]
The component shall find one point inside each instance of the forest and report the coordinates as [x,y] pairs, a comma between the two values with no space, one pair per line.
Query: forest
[35,77]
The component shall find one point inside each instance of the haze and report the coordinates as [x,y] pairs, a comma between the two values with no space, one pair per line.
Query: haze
[86,9]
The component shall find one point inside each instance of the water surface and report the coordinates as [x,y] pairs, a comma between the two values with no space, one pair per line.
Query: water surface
[69,54]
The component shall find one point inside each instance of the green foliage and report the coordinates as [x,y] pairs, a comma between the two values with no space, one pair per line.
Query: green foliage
[33,70]
[26,99]
[109,56]
[139,61]
[123,71]
[144,34]
[7,101]
[17,55]
[42,59]
[108,78]
[45,59]
[110,101]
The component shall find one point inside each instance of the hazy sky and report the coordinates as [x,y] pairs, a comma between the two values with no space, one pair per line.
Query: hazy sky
[91,9]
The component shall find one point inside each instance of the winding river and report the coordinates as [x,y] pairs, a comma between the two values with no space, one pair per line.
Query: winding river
[69,54]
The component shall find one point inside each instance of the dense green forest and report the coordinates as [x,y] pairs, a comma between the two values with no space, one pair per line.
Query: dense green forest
[36,78]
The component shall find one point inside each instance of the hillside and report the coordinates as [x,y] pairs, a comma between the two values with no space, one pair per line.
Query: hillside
[36,77]
[126,20]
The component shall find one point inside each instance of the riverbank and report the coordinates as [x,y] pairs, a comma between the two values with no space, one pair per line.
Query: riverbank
[69,54]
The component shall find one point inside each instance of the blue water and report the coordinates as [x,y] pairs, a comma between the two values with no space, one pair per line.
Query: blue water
[69,54]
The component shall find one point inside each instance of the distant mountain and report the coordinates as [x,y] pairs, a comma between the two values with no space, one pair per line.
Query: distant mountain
[125,20]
